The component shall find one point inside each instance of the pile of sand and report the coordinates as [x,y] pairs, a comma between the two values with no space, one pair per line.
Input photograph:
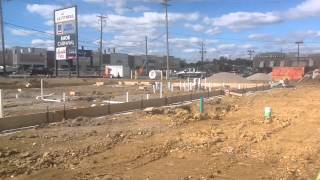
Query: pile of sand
[260,77]
[225,77]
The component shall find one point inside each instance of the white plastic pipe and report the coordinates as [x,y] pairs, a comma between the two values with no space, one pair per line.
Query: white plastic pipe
[127,96]
[51,100]
[1,104]
[161,90]
[147,96]
[64,97]
[205,83]
[41,86]
[113,102]
[154,89]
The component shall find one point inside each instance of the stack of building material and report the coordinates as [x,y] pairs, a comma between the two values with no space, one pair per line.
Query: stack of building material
[225,77]
[260,77]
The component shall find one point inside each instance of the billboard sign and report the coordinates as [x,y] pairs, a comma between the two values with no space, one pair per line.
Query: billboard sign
[66,34]
[65,15]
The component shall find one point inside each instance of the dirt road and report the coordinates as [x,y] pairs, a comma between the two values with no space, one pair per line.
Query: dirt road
[231,141]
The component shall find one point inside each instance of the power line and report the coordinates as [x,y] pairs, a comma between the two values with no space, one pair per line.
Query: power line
[15,26]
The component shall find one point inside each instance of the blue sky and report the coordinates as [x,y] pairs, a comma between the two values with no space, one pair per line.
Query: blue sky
[227,27]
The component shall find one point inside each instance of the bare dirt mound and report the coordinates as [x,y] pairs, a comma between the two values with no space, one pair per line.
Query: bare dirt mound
[225,77]
[260,77]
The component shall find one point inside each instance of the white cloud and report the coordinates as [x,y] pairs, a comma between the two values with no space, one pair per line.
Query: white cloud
[305,9]
[149,24]
[248,46]
[141,8]
[244,20]
[303,35]
[44,10]
[195,27]
[214,31]
[259,37]
[211,50]
[190,50]
[185,43]
[40,43]
[121,6]
[147,20]
[224,47]
[20,32]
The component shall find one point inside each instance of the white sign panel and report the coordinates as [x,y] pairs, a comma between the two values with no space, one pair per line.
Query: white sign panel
[65,15]
[61,53]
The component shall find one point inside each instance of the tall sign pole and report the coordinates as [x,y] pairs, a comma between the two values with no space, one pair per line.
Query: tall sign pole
[2,40]
[66,36]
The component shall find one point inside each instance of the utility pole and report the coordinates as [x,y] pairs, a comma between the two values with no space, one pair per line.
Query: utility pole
[298,57]
[250,53]
[202,51]
[2,40]
[166,4]
[101,36]
[146,54]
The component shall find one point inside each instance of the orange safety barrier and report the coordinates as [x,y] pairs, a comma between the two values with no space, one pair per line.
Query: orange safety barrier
[289,73]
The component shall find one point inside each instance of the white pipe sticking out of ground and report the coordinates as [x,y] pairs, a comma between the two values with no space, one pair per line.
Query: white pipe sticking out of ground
[42,95]
[1,104]
[113,102]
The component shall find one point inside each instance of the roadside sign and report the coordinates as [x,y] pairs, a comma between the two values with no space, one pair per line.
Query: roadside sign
[66,34]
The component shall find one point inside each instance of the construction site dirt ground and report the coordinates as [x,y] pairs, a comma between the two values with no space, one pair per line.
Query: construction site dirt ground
[20,100]
[230,141]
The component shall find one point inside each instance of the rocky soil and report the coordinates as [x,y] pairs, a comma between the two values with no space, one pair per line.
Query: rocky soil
[230,141]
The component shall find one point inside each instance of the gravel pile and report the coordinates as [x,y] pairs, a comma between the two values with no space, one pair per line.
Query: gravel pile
[260,77]
[225,77]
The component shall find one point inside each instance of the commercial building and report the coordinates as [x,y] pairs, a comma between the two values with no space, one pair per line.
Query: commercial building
[27,58]
[264,62]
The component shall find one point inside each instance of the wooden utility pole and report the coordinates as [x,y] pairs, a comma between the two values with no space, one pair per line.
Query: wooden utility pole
[202,51]
[146,55]
[251,52]
[101,17]
[2,40]
[166,4]
[298,57]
